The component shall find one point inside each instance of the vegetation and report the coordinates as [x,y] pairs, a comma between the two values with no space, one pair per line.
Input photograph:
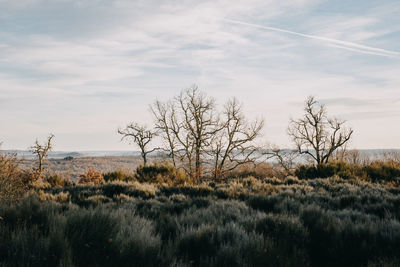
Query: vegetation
[160,173]
[41,152]
[316,135]
[72,169]
[258,216]
[56,180]
[195,132]
[141,137]
[243,222]
[118,175]
[12,183]
[91,176]
[375,171]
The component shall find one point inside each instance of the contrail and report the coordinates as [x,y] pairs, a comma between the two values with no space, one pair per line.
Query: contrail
[337,43]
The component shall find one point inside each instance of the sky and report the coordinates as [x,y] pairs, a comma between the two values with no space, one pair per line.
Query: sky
[80,69]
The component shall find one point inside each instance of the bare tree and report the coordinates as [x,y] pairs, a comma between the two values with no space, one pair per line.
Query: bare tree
[316,135]
[357,157]
[194,126]
[41,152]
[388,156]
[340,153]
[141,135]
[286,158]
[187,124]
[232,144]
[195,133]
[164,114]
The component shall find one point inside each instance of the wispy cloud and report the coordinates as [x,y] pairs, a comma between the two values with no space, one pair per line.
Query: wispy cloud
[337,43]
[83,74]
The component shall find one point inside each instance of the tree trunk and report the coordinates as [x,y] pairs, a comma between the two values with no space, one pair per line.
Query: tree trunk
[144,156]
[198,164]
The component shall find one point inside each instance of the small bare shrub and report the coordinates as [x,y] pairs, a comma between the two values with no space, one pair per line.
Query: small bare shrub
[62,197]
[12,185]
[91,176]
[56,180]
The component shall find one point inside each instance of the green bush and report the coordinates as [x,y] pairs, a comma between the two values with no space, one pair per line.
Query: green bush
[139,245]
[306,171]
[197,243]
[382,170]
[356,237]
[31,234]
[375,171]
[160,173]
[29,212]
[339,168]
[117,175]
[91,235]
[113,189]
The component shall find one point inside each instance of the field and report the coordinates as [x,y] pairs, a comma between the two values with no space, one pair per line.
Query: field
[238,222]
[71,169]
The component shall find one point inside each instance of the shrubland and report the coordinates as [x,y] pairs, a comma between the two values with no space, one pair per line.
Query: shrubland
[341,212]
[249,218]
[374,171]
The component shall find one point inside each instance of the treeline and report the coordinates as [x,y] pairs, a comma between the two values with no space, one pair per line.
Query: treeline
[196,133]
[206,141]
[202,142]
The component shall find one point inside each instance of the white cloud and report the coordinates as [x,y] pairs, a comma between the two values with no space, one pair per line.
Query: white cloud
[99,72]
[335,42]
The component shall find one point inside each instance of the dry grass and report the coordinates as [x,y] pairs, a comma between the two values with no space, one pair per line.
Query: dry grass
[77,166]
[240,222]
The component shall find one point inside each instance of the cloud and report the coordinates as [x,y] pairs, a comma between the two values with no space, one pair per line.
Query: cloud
[369,115]
[90,66]
[337,43]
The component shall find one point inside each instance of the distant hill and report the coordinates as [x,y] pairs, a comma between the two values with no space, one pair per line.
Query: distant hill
[26,154]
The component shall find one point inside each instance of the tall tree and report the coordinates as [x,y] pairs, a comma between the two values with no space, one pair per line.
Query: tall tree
[316,135]
[141,136]
[197,133]
[233,143]
[194,126]
[164,114]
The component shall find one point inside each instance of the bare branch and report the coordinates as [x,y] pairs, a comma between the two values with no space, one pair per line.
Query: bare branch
[141,137]
[317,135]
[41,151]
[232,144]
